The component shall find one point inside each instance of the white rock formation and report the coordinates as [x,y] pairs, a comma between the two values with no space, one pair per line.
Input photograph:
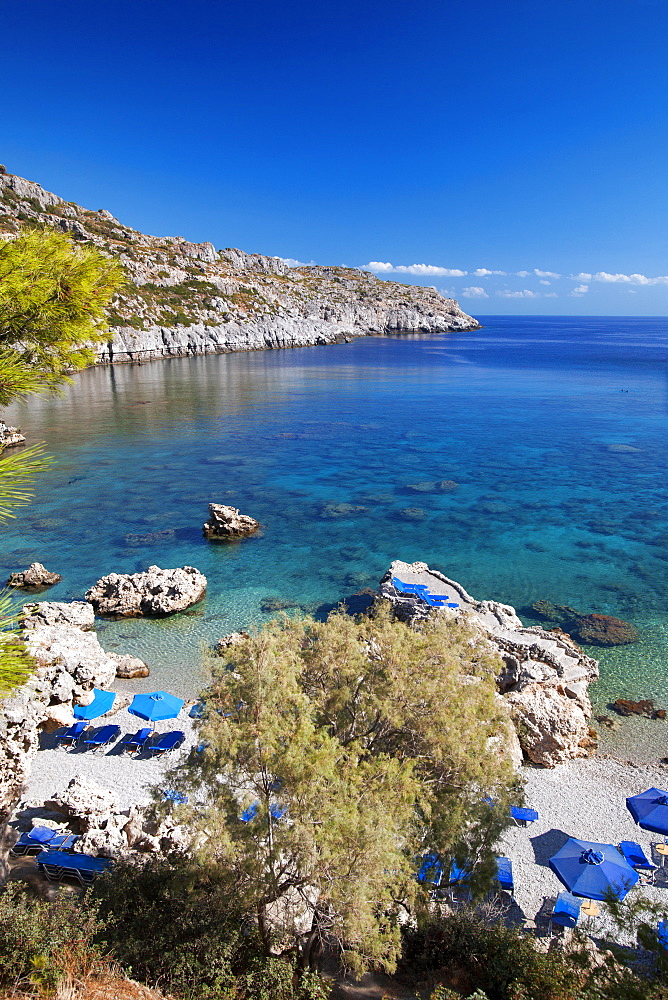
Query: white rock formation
[155,592]
[74,614]
[36,575]
[545,675]
[227,523]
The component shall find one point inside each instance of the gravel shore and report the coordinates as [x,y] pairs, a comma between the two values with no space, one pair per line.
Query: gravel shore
[585,799]
[130,777]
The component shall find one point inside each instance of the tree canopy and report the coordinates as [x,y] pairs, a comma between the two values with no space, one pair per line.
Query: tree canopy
[334,754]
[53,295]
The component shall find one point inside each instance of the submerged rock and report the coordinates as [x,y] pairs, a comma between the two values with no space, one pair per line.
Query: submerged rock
[342,509]
[439,486]
[644,707]
[35,576]
[155,592]
[226,523]
[595,629]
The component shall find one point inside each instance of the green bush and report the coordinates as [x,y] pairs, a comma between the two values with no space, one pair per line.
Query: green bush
[44,944]
[173,923]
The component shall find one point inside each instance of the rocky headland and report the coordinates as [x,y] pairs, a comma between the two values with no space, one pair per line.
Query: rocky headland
[190,298]
[545,676]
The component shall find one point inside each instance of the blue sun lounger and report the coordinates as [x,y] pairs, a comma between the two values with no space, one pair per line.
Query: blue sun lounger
[523,816]
[662,933]
[431,869]
[167,742]
[71,736]
[504,874]
[422,591]
[566,912]
[56,865]
[136,743]
[636,857]
[458,881]
[103,737]
[41,837]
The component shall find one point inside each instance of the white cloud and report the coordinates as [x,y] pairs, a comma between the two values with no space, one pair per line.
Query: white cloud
[483,272]
[522,274]
[544,282]
[291,262]
[550,295]
[384,267]
[630,279]
[545,274]
[378,266]
[606,278]
[524,294]
[474,292]
[579,291]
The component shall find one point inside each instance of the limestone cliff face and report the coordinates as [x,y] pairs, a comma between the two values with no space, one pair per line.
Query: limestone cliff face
[189,298]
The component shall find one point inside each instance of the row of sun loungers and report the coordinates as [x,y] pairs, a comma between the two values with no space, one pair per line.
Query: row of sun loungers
[41,838]
[56,865]
[102,738]
[422,591]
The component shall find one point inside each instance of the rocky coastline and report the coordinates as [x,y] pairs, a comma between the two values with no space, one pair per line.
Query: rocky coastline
[184,299]
[545,676]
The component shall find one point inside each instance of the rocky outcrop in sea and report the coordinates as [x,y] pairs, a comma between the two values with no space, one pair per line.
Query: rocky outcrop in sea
[190,298]
[36,575]
[154,592]
[544,677]
[226,523]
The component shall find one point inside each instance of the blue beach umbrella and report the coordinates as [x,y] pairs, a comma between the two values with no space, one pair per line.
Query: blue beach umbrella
[100,704]
[156,706]
[650,810]
[592,870]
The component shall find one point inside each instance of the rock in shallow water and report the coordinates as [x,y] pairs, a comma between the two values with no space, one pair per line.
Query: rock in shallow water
[226,523]
[35,576]
[128,667]
[595,629]
[155,592]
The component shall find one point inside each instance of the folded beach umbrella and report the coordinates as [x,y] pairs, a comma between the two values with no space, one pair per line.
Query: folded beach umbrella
[100,704]
[156,706]
[650,810]
[592,870]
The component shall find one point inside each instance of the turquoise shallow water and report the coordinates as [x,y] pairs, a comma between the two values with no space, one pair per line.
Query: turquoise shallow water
[526,415]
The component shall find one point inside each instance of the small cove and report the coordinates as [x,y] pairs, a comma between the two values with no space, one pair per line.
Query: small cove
[553,428]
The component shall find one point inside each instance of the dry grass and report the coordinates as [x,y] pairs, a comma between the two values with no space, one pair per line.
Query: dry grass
[106,985]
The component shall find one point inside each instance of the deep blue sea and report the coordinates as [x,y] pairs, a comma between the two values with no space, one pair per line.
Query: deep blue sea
[555,430]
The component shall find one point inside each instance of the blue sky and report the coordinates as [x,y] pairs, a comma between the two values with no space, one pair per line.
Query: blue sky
[446,137]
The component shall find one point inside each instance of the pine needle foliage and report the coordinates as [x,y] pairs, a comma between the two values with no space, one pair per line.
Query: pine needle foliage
[333,755]
[17,475]
[15,661]
[53,295]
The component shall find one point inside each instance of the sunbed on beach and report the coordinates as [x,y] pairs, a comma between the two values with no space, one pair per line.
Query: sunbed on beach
[41,837]
[523,816]
[103,737]
[422,591]
[136,743]
[167,742]
[72,735]
[566,912]
[504,874]
[637,858]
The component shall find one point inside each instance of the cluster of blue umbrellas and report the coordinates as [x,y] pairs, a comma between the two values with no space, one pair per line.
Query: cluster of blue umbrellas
[593,870]
[153,707]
